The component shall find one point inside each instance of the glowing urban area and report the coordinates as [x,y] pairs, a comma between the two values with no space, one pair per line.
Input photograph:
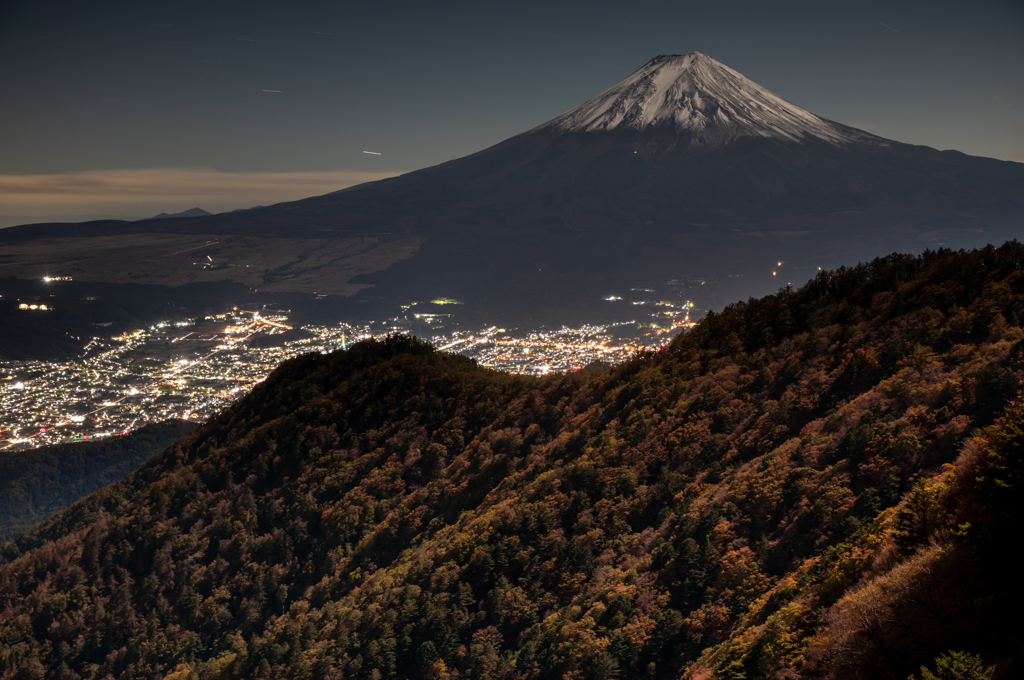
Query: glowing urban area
[191,369]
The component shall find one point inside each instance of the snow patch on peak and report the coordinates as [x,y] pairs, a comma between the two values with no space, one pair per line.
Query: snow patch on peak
[705,99]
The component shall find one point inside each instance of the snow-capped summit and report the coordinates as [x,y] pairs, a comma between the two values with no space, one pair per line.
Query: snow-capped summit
[704,99]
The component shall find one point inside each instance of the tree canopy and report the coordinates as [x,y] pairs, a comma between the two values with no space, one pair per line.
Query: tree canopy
[819,483]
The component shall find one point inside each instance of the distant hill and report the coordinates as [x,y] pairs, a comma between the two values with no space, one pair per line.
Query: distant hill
[14,220]
[35,484]
[821,483]
[192,212]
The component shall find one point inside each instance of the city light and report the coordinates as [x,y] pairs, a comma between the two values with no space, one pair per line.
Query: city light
[147,375]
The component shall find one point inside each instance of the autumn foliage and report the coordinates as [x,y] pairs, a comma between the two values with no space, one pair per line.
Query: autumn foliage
[818,483]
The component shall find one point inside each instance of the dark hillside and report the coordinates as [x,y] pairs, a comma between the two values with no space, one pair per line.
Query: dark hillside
[813,484]
[35,484]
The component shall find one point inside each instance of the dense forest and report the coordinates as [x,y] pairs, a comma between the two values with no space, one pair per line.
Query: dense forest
[817,484]
[35,484]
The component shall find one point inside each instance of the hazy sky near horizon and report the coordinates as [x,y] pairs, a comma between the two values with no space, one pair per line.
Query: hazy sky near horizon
[230,90]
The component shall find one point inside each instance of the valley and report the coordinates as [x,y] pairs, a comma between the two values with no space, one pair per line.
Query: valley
[281,265]
[193,368]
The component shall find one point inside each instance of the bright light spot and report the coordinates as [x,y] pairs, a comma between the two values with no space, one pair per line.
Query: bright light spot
[774,273]
[133,391]
[19,385]
[77,419]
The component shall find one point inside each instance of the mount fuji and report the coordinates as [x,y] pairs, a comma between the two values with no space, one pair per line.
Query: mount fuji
[705,103]
[684,176]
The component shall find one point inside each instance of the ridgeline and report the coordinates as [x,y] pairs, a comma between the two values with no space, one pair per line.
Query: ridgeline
[817,484]
[36,483]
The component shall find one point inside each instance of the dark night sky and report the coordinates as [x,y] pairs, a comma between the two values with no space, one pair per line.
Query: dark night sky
[90,88]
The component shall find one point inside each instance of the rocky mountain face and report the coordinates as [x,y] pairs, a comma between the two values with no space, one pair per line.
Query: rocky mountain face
[821,483]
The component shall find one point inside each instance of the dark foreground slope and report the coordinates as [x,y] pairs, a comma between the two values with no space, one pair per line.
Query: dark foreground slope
[814,484]
[37,483]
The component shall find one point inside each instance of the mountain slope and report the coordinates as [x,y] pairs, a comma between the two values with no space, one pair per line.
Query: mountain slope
[36,483]
[727,506]
[191,212]
[684,170]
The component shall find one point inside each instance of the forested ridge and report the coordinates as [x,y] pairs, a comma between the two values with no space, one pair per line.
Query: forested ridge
[817,484]
[36,483]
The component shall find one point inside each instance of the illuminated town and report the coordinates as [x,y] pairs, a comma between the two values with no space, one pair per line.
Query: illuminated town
[192,369]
